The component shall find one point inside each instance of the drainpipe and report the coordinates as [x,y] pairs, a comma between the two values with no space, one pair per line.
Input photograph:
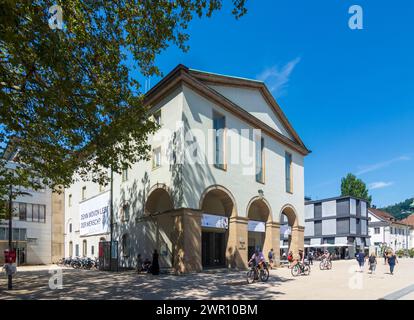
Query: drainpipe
[111,210]
[10,276]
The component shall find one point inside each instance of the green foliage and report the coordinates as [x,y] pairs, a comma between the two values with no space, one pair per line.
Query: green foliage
[68,97]
[400,210]
[352,186]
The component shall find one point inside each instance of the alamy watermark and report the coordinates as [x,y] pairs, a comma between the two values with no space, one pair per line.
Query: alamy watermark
[356,21]
[56,19]
[56,280]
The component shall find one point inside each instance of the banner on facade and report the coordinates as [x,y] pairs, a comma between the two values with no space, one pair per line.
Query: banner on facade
[256,226]
[94,215]
[212,221]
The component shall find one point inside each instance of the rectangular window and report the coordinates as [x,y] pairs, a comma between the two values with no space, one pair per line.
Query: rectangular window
[70,227]
[288,172]
[92,250]
[42,213]
[22,235]
[29,212]
[35,208]
[22,212]
[70,200]
[157,117]
[260,160]
[125,173]
[377,230]
[219,126]
[156,158]
[83,193]
[77,250]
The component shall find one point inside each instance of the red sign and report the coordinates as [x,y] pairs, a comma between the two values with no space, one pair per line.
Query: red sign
[10,256]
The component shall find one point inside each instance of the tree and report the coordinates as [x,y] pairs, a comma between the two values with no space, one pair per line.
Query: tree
[67,96]
[354,187]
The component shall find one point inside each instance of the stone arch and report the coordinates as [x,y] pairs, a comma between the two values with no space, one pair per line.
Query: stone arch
[290,212]
[259,209]
[226,205]
[296,238]
[159,200]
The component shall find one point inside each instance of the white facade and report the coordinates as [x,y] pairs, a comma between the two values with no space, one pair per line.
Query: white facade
[394,235]
[32,217]
[186,135]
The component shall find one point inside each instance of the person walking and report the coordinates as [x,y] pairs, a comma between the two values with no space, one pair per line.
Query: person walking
[361,260]
[310,257]
[155,267]
[140,263]
[372,263]
[271,255]
[385,257]
[392,260]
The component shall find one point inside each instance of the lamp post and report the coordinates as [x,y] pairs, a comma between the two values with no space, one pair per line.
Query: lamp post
[10,276]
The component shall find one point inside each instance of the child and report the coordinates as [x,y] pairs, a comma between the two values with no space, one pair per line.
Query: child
[372,263]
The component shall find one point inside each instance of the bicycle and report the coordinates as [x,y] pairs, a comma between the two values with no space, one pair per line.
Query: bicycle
[257,272]
[301,269]
[325,264]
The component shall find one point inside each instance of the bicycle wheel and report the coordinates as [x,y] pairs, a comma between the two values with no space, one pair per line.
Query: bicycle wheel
[264,275]
[295,270]
[251,275]
[322,265]
[329,265]
[306,270]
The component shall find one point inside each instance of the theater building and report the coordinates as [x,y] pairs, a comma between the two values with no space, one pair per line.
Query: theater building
[226,165]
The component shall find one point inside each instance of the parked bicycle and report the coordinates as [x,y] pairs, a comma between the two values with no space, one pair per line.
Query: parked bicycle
[79,263]
[325,264]
[301,269]
[259,272]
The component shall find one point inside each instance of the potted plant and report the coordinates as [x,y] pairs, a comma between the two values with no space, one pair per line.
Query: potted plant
[411,253]
[400,253]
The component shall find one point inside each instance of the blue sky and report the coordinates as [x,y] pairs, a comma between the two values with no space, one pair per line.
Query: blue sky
[348,93]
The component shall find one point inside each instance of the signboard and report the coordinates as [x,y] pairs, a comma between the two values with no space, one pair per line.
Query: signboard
[212,221]
[94,215]
[256,226]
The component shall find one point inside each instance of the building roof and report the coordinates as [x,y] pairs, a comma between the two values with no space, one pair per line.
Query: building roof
[385,216]
[198,81]
[409,220]
[332,199]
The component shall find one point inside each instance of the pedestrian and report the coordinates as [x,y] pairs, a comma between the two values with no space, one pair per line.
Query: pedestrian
[270,255]
[385,257]
[310,257]
[392,260]
[361,260]
[372,263]
[140,263]
[155,267]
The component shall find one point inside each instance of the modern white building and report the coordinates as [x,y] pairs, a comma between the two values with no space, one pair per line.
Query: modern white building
[225,166]
[387,232]
[37,224]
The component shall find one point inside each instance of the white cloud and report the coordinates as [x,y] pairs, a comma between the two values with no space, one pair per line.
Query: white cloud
[277,78]
[380,165]
[379,185]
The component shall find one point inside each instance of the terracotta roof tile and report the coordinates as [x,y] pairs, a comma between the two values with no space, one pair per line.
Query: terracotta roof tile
[409,220]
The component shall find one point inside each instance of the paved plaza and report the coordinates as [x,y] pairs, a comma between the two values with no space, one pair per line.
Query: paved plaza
[341,283]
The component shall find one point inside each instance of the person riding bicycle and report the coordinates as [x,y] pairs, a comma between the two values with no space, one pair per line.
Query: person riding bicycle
[326,256]
[257,258]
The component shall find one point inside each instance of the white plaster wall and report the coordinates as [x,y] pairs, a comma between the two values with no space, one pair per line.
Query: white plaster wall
[253,102]
[198,114]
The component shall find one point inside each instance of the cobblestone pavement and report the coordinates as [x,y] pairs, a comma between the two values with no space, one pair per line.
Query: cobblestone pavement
[343,282]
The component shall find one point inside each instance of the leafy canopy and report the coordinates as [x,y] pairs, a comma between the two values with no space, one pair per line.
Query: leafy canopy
[67,96]
[354,187]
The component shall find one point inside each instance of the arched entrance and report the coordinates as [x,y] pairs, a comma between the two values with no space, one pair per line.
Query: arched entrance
[218,206]
[291,234]
[260,217]
[158,201]
[159,225]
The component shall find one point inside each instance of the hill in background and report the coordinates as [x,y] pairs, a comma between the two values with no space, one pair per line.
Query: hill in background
[400,210]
